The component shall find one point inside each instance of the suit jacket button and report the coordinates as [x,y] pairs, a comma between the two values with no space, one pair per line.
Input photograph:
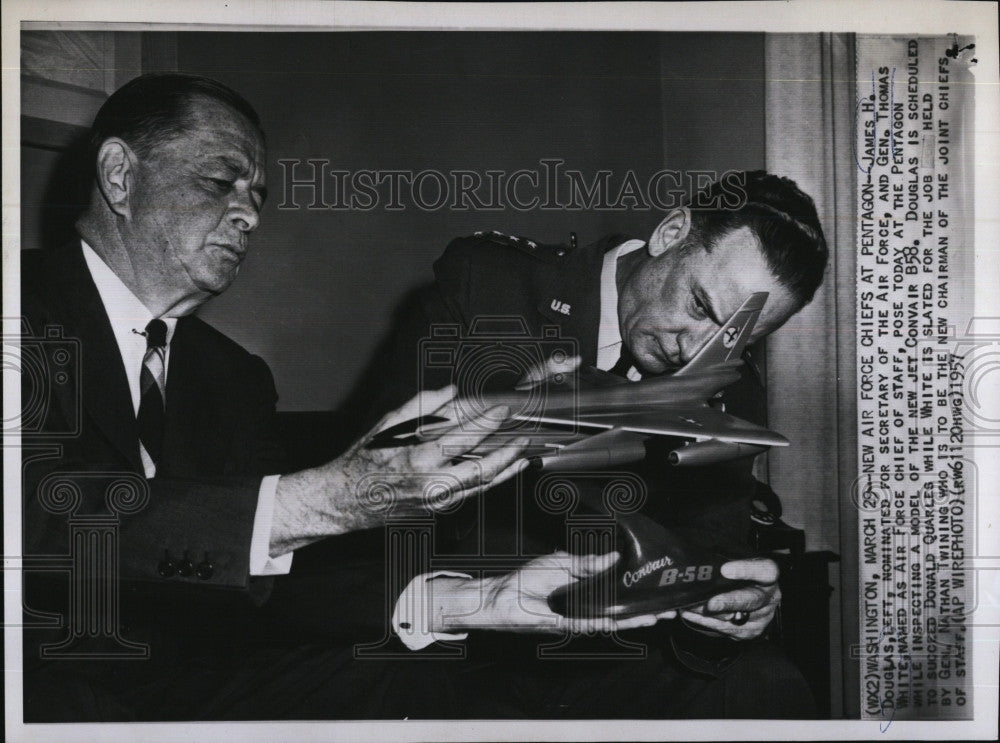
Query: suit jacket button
[205,570]
[185,568]
[166,568]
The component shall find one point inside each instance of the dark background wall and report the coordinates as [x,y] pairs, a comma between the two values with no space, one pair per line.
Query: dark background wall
[318,290]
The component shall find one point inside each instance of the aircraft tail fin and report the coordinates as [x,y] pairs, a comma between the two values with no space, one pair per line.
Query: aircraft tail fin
[728,343]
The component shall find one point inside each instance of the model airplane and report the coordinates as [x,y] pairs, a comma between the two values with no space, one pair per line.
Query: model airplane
[630,412]
[659,570]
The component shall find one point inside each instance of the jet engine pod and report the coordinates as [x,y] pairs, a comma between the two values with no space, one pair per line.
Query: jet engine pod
[711,451]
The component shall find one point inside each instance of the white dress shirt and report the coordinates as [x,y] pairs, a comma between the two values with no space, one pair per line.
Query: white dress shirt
[411,618]
[129,317]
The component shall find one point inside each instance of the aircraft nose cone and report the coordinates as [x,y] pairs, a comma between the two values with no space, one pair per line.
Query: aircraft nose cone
[659,571]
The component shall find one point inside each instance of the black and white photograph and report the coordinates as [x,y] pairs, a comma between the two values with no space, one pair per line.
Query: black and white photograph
[522,371]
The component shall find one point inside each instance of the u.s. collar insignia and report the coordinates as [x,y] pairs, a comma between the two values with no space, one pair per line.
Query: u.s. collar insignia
[560,307]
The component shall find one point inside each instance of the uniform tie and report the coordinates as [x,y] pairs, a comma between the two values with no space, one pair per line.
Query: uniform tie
[151,388]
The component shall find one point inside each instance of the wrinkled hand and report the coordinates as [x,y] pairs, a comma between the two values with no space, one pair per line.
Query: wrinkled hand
[759,601]
[429,475]
[363,487]
[518,601]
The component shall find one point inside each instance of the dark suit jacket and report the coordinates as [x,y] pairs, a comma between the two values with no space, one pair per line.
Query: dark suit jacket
[220,401]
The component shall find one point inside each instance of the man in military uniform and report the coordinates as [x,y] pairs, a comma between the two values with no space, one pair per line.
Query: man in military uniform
[641,308]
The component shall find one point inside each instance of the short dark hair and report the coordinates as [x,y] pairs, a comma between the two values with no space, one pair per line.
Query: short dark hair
[780,215]
[154,108]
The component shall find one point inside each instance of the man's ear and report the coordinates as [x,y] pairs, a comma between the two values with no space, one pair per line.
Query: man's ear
[671,232]
[116,175]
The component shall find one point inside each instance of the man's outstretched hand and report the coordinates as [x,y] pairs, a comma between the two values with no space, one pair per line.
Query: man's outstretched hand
[518,601]
[757,602]
[364,486]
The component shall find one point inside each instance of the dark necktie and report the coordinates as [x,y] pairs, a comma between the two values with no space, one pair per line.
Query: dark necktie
[151,386]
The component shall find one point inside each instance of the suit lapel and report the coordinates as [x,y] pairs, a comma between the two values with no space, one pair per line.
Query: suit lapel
[105,394]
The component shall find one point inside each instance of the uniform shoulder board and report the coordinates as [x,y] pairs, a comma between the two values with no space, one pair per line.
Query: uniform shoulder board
[542,251]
